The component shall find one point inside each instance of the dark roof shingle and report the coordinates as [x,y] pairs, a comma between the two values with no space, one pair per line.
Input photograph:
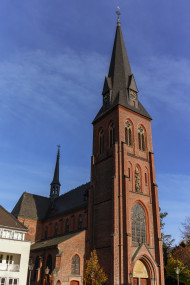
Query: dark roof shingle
[7,220]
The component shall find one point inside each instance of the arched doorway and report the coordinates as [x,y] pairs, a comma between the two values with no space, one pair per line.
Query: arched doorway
[74,282]
[141,275]
[58,282]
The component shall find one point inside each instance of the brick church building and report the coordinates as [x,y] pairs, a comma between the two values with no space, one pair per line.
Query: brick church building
[117,212]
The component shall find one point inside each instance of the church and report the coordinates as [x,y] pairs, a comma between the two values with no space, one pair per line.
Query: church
[117,212]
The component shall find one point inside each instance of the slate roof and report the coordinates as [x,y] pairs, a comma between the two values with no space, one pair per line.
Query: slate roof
[53,242]
[31,206]
[120,79]
[7,220]
[37,207]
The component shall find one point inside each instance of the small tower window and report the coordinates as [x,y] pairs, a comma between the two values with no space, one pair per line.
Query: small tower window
[138,218]
[101,142]
[111,135]
[80,223]
[75,264]
[128,133]
[141,138]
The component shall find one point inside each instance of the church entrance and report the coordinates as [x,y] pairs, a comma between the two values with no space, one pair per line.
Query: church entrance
[140,274]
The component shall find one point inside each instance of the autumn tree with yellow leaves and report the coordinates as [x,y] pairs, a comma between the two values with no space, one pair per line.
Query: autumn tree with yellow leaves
[93,273]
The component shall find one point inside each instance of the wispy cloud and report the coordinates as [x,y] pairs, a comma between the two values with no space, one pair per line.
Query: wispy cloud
[166,80]
[39,83]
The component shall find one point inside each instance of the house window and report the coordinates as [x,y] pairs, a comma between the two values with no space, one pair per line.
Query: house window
[111,134]
[2,281]
[101,142]
[141,138]
[67,226]
[128,134]
[80,224]
[13,281]
[1,258]
[9,259]
[75,264]
[138,218]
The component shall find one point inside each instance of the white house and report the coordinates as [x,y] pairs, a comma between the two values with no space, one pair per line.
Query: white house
[14,250]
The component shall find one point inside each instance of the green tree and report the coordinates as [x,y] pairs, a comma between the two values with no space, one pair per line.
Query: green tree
[93,273]
[186,230]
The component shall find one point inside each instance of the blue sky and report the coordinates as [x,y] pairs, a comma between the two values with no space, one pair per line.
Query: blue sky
[54,56]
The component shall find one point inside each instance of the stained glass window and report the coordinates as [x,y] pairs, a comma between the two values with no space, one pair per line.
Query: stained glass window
[138,218]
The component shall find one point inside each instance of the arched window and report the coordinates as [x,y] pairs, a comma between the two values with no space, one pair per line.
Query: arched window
[67,226]
[138,219]
[80,223]
[101,142]
[55,229]
[49,263]
[111,134]
[75,264]
[141,138]
[36,266]
[128,134]
[46,232]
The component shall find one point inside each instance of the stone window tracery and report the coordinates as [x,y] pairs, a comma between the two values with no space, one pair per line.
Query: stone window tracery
[75,264]
[141,138]
[128,134]
[138,219]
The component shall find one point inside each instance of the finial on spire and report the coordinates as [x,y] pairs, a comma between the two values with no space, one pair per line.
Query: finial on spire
[118,14]
[58,153]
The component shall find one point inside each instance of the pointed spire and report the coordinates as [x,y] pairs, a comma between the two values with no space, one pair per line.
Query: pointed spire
[55,184]
[56,172]
[119,86]
[120,68]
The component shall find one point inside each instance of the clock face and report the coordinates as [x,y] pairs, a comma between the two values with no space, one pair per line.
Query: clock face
[133,94]
[106,98]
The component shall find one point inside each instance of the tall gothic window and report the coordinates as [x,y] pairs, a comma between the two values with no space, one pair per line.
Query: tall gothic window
[128,134]
[75,264]
[46,232]
[101,142]
[67,226]
[141,138]
[55,229]
[138,224]
[80,223]
[111,135]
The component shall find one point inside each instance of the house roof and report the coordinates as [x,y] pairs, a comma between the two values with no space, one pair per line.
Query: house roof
[53,242]
[7,220]
[37,207]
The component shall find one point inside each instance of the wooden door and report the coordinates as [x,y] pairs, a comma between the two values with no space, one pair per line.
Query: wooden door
[135,281]
[144,281]
[73,282]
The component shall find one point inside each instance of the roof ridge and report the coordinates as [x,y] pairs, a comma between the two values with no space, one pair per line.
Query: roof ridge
[74,189]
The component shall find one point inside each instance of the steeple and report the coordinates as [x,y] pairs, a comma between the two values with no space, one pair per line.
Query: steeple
[119,86]
[55,184]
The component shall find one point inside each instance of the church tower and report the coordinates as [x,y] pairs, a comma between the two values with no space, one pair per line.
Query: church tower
[55,184]
[124,220]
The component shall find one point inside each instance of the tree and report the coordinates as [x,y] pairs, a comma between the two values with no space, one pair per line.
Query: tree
[186,230]
[93,273]
[167,240]
[184,275]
